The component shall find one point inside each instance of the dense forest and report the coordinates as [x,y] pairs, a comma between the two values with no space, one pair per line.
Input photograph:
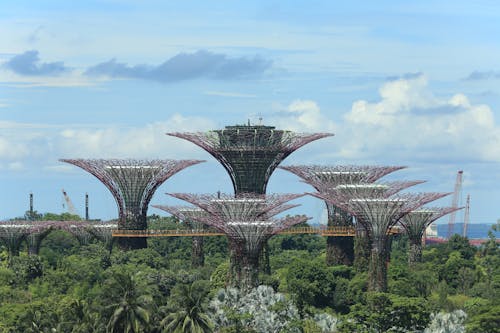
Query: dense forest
[80,285]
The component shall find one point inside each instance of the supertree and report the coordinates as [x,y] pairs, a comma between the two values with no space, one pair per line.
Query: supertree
[132,183]
[250,154]
[79,230]
[37,233]
[12,234]
[103,231]
[192,215]
[340,249]
[248,222]
[415,223]
[378,215]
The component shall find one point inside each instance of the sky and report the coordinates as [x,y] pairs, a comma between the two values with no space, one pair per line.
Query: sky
[399,83]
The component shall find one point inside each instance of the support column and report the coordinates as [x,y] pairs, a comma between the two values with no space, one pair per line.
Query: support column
[378,265]
[197,254]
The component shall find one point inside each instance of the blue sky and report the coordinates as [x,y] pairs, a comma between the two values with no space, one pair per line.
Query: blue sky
[399,83]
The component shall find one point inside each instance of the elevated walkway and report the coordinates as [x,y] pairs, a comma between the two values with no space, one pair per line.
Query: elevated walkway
[322,231]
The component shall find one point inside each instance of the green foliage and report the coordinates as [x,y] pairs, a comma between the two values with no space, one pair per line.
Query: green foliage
[187,309]
[60,217]
[129,297]
[219,277]
[83,288]
[27,268]
[384,312]
[484,319]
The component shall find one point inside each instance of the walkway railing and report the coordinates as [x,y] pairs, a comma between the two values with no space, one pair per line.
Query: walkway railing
[322,231]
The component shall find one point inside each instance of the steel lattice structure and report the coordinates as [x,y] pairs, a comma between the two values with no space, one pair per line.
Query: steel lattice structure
[340,250]
[13,233]
[378,214]
[248,222]
[132,183]
[37,233]
[192,216]
[250,154]
[415,224]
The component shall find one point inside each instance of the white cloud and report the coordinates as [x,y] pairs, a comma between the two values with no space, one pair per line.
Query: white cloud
[139,142]
[25,146]
[410,122]
[12,150]
[303,116]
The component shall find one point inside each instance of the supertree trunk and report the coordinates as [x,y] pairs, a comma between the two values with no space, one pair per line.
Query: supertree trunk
[377,277]
[244,266]
[339,250]
[34,241]
[362,247]
[133,221]
[264,260]
[197,254]
[415,251]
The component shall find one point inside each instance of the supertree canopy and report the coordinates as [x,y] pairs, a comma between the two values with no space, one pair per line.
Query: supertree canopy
[132,183]
[340,249]
[415,224]
[248,222]
[378,214]
[250,154]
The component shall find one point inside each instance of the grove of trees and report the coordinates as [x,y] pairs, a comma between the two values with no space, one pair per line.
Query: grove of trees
[84,288]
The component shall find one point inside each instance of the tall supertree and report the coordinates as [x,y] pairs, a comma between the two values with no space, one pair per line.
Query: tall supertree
[378,215]
[339,249]
[248,222]
[250,154]
[132,183]
[415,223]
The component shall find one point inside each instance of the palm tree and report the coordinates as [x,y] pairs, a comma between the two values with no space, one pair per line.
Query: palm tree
[190,317]
[131,308]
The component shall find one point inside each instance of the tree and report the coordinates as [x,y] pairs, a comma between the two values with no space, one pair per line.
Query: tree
[452,322]
[260,310]
[190,316]
[485,320]
[130,304]
[387,313]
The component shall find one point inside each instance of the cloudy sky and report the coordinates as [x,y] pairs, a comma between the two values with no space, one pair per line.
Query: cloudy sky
[399,83]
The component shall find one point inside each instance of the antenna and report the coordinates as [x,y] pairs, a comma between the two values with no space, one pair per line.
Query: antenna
[86,206]
[31,203]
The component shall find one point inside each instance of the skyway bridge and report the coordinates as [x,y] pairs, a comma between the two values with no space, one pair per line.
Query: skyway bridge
[322,231]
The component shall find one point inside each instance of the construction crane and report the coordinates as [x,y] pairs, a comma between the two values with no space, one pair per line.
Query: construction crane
[454,203]
[69,204]
[466,215]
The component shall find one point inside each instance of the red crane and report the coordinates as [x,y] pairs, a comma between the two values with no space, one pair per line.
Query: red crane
[454,203]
